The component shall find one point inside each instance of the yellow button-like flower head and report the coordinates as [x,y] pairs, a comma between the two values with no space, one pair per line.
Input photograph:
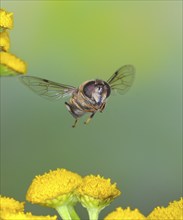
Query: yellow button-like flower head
[10,205]
[54,189]
[97,188]
[6,19]
[4,40]
[176,204]
[25,216]
[173,212]
[125,214]
[95,193]
[11,65]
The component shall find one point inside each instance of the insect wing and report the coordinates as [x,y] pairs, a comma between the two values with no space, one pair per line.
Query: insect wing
[122,79]
[46,88]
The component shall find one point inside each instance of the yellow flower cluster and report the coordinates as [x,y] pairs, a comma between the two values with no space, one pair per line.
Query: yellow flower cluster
[61,189]
[96,191]
[98,187]
[10,204]
[10,209]
[60,182]
[126,214]
[25,216]
[4,40]
[173,211]
[6,19]
[9,63]
[12,61]
[54,188]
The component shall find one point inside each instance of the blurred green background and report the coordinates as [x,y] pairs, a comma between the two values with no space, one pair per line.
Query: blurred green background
[137,140]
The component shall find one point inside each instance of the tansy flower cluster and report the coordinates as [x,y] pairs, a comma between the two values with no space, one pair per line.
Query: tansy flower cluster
[173,211]
[62,189]
[95,193]
[10,209]
[126,214]
[9,63]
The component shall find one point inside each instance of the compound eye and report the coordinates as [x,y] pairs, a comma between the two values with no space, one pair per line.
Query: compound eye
[89,88]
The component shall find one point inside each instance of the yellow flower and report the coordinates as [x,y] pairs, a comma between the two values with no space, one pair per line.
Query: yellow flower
[95,193]
[25,216]
[10,204]
[53,188]
[6,19]
[4,40]
[11,65]
[56,189]
[98,188]
[177,204]
[173,212]
[125,214]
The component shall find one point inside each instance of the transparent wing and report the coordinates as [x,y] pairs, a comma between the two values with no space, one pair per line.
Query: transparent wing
[122,79]
[46,88]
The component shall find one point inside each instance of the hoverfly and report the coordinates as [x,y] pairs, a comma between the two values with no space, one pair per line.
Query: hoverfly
[89,97]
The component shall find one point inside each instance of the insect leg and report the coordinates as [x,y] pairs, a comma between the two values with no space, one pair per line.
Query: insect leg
[89,119]
[73,113]
[102,107]
[74,125]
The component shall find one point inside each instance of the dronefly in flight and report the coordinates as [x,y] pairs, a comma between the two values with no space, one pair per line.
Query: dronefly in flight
[89,97]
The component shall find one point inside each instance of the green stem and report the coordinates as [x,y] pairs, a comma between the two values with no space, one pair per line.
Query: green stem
[64,212]
[93,213]
[73,213]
